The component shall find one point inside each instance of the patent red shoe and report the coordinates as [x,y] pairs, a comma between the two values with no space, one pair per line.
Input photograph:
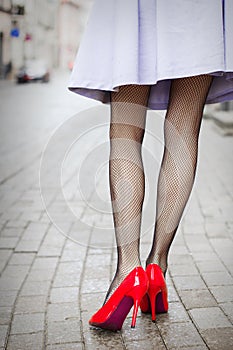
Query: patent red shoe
[155,301]
[130,292]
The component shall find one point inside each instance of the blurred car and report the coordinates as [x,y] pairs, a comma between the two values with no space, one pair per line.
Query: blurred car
[33,70]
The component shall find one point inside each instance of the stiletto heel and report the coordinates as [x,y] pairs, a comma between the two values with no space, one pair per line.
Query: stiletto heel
[135,312]
[155,301]
[137,294]
[152,297]
[130,292]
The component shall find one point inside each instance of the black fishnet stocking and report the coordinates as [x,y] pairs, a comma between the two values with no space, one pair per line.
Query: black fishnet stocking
[126,174]
[177,173]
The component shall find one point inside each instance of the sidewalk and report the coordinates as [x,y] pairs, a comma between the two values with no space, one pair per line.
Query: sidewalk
[50,285]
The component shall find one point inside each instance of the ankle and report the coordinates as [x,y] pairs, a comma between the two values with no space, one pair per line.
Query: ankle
[118,278]
[124,271]
[158,261]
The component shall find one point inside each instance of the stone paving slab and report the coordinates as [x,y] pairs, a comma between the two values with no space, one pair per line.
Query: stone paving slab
[52,280]
[26,341]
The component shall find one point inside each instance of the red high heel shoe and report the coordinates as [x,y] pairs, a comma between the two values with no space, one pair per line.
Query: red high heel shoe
[130,292]
[156,298]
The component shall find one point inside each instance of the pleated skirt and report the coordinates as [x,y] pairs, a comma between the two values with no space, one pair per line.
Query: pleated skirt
[151,42]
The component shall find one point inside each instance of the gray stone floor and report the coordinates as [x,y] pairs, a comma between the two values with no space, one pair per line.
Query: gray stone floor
[57,257]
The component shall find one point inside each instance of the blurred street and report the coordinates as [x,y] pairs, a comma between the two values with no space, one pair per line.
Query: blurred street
[57,248]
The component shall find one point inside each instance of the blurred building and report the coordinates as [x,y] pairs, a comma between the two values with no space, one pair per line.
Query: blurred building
[5,28]
[41,29]
[28,31]
[72,21]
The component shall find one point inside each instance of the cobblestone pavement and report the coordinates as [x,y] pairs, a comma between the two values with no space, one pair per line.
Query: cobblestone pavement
[51,282]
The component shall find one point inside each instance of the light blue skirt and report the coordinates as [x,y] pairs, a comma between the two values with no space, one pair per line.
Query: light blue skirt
[151,42]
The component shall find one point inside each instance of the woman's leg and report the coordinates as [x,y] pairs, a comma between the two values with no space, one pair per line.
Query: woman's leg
[126,174]
[177,173]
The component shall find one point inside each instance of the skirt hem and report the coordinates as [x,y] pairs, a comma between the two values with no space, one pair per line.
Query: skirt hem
[94,90]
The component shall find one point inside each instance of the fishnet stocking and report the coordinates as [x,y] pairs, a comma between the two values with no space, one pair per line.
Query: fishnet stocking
[126,174]
[177,173]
